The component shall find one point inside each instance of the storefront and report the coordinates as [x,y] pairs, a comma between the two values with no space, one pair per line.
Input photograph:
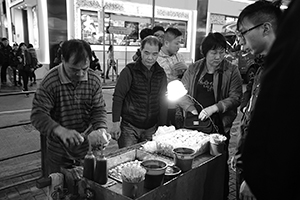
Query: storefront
[88,18]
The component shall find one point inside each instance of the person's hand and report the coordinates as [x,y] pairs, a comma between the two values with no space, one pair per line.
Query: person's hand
[115,131]
[180,66]
[99,138]
[69,137]
[207,112]
[194,112]
[179,69]
[245,192]
[233,163]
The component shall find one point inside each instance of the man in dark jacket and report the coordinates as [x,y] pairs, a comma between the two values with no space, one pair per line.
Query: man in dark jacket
[139,97]
[257,25]
[6,52]
[272,146]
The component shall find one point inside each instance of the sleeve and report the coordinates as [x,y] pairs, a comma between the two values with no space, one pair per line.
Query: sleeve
[98,114]
[186,103]
[121,90]
[246,95]
[42,104]
[234,94]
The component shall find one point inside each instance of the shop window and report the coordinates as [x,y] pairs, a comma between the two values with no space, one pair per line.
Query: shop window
[90,27]
[137,24]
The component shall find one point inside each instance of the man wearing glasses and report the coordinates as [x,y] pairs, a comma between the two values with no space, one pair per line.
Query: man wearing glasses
[256,31]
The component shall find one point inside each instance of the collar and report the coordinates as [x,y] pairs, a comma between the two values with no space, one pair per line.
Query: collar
[64,79]
[142,67]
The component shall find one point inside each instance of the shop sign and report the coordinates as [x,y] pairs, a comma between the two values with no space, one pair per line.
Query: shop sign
[14,2]
[217,19]
[119,30]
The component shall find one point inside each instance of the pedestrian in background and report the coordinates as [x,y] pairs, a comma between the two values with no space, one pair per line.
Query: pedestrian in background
[68,100]
[159,32]
[25,66]
[174,65]
[35,62]
[111,63]
[257,25]
[5,52]
[139,97]
[14,65]
[143,34]
[217,85]
[57,56]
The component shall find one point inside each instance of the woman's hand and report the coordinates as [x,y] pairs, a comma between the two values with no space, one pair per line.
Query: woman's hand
[207,112]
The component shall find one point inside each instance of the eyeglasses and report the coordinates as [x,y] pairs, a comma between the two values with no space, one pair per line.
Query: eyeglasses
[240,35]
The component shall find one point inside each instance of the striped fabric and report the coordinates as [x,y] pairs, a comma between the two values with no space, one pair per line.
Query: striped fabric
[167,62]
[58,102]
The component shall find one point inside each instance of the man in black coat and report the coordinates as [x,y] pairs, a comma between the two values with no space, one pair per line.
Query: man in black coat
[271,148]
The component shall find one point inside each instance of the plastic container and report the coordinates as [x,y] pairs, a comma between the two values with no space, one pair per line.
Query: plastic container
[155,173]
[216,148]
[171,172]
[100,175]
[183,158]
[89,166]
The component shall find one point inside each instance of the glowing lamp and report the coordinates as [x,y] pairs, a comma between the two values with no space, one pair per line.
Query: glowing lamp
[175,90]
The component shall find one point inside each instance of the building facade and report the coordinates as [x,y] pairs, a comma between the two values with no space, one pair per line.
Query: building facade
[45,23]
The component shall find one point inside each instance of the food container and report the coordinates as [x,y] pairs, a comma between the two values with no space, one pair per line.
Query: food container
[183,158]
[155,173]
[171,172]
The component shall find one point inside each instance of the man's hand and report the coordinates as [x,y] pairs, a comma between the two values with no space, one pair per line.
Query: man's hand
[179,68]
[99,138]
[245,192]
[207,112]
[69,137]
[115,131]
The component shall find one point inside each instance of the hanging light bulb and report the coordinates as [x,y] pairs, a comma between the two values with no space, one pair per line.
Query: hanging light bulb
[175,90]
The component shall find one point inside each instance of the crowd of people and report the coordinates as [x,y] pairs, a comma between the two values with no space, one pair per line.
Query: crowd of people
[18,64]
[70,99]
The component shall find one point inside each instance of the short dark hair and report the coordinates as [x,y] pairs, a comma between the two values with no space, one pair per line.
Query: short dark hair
[152,40]
[172,33]
[80,48]
[260,12]
[145,32]
[213,41]
[157,28]
[4,39]
[30,45]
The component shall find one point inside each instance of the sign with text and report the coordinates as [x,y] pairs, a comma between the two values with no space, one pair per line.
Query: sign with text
[119,30]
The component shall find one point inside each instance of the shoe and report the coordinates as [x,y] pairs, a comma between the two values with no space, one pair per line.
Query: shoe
[27,95]
[107,77]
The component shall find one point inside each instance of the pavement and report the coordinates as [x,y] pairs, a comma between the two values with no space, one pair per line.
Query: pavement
[28,168]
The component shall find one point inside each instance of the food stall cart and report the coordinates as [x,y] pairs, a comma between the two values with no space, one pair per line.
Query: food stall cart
[205,181]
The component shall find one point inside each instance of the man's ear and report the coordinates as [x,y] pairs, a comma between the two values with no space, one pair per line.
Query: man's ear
[267,28]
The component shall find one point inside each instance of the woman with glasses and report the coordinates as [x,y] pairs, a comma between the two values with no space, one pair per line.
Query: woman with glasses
[216,85]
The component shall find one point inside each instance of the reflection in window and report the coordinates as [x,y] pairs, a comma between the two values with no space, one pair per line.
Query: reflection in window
[90,27]
[35,28]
